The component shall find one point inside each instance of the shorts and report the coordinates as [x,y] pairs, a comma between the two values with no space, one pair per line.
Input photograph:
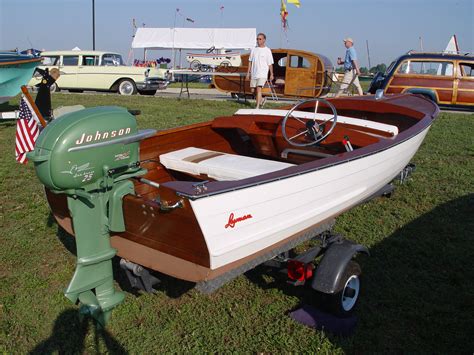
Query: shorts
[257,82]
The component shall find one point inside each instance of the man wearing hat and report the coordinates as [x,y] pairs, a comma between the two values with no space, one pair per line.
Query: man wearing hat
[351,68]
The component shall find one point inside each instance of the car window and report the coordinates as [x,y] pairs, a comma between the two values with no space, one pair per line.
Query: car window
[90,60]
[390,67]
[53,60]
[426,68]
[299,62]
[467,69]
[69,60]
[112,59]
[282,62]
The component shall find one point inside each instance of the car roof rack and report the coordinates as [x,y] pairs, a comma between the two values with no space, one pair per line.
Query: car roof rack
[412,51]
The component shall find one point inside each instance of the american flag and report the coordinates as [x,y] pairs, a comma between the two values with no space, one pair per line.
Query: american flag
[27,131]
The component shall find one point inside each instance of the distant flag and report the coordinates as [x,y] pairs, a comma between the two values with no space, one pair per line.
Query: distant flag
[283,14]
[294,2]
[27,131]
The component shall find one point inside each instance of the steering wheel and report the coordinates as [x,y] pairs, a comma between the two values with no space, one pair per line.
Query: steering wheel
[211,49]
[307,127]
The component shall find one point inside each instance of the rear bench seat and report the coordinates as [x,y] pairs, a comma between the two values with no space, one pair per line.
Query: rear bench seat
[217,165]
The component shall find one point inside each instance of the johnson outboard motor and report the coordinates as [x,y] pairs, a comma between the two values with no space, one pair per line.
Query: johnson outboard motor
[43,98]
[90,155]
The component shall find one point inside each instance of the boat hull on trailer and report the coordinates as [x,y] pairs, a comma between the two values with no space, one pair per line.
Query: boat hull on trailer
[290,205]
[225,226]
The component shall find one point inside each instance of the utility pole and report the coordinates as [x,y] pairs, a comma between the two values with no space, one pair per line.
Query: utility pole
[93,25]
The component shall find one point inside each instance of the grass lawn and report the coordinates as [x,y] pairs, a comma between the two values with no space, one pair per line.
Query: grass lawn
[417,291]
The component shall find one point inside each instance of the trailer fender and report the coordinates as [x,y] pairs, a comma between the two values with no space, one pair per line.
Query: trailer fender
[333,264]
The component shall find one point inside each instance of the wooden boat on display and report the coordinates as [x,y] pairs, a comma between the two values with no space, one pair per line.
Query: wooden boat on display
[212,200]
[15,70]
[297,74]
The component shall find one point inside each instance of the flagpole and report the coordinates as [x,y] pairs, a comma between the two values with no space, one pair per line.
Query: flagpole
[25,92]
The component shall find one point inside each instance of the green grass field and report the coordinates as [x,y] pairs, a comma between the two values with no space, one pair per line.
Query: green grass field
[417,291]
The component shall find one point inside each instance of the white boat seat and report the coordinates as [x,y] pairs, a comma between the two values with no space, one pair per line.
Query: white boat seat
[382,127]
[217,165]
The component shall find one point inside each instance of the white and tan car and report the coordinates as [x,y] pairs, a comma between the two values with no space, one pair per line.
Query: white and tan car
[101,71]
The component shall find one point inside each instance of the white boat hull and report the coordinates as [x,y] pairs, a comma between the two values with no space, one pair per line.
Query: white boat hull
[275,210]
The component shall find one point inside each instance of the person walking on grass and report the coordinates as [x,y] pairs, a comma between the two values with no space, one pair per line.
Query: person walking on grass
[351,68]
[260,62]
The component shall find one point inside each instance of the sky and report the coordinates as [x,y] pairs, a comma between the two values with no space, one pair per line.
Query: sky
[391,27]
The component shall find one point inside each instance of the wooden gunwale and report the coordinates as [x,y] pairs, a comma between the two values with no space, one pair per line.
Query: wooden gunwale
[23,61]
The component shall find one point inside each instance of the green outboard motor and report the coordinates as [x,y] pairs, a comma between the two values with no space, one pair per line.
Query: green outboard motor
[90,155]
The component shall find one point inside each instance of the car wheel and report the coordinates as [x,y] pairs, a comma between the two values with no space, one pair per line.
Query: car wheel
[343,302]
[127,87]
[195,65]
[54,88]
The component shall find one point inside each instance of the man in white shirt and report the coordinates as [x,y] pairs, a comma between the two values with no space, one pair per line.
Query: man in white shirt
[260,62]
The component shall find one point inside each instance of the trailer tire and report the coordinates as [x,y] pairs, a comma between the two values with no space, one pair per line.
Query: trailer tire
[343,302]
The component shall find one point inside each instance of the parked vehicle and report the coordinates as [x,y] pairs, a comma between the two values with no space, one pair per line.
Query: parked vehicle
[213,58]
[447,79]
[101,71]
[297,74]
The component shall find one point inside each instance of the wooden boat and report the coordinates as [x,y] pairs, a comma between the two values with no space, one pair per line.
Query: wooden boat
[297,74]
[243,189]
[221,197]
[15,70]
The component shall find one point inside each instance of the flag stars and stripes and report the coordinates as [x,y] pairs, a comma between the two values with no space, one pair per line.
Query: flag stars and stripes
[27,132]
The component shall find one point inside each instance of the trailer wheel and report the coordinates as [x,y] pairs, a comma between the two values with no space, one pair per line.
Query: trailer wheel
[343,302]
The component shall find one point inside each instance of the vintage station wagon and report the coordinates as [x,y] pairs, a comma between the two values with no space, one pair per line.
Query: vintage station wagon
[101,71]
[447,79]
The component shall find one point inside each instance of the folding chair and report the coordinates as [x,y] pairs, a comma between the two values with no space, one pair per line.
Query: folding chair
[269,88]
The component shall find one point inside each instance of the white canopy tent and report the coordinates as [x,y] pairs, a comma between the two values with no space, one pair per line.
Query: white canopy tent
[193,38]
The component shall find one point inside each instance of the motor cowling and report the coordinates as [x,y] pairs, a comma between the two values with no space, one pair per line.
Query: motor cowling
[90,155]
[82,148]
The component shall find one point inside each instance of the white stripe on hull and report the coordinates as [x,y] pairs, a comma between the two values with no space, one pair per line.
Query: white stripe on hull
[282,208]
